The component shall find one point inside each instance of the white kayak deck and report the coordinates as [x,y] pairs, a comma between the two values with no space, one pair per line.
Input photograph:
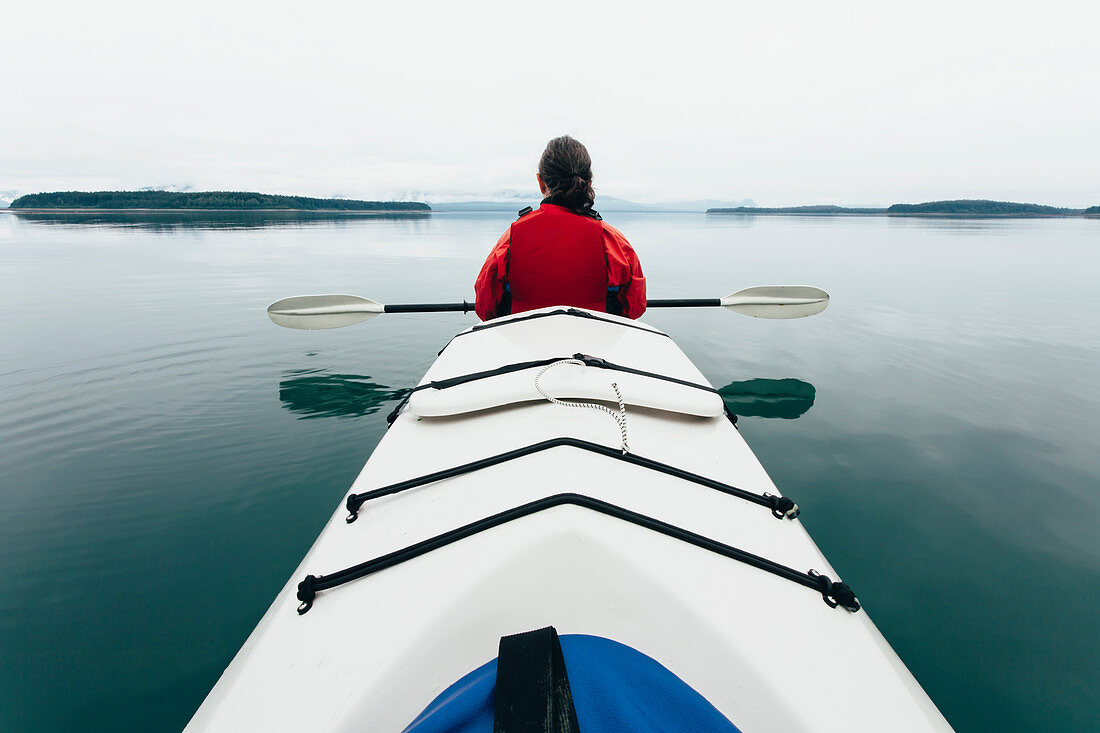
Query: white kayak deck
[372,653]
[526,341]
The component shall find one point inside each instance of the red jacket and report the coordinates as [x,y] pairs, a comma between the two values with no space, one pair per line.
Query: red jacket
[555,257]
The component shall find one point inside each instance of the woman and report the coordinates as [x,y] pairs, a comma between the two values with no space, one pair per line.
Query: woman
[563,253]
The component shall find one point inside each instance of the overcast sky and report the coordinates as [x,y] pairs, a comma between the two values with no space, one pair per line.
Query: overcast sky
[782,102]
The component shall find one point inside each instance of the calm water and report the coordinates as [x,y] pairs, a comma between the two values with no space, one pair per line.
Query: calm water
[167,455]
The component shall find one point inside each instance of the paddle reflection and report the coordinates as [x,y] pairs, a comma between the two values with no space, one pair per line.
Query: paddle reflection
[317,393]
[783,398]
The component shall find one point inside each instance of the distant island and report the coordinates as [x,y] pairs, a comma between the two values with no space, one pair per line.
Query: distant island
[969,207]
[203,200]
[976,208]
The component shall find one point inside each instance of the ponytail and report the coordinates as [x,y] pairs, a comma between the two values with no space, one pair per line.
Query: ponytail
[566,170]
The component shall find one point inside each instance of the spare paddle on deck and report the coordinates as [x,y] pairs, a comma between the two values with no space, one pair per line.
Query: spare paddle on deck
[335,311]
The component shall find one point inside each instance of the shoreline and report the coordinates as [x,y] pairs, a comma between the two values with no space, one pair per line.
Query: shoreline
[422,213]
[907,215]
[90,210]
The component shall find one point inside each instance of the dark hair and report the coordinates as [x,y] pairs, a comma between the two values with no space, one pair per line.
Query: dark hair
[566,170]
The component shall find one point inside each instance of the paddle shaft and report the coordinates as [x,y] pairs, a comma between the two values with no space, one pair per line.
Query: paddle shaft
[462,307]
[465,307]
[312,312]
[684,303]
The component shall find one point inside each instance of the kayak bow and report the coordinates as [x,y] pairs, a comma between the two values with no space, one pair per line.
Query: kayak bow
[488,510]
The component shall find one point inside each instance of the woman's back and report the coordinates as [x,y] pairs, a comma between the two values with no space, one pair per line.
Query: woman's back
[563,253]
[556,258]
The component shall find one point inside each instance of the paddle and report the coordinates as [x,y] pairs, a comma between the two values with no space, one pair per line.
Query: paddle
[335,311]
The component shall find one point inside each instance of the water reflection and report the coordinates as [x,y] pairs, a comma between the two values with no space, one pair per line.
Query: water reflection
[173,220]
[318,393]
[783,398]
[964,226]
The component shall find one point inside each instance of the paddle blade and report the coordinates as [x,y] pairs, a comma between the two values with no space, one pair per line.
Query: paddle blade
[310,312]
[778,301]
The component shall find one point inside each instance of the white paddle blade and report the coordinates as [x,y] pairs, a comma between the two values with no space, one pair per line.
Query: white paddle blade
[778,301]
[309,312]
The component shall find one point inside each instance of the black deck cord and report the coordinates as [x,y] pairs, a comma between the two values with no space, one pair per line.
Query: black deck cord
[575,312]
[833,593]
[463,379]
[782,507]
[592,361]
[532,693]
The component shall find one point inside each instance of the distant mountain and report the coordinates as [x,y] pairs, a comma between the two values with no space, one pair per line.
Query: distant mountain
[609,203]
[826,209]
[6,197]
[173,187]
[246,200]
[603,204]
[483,206]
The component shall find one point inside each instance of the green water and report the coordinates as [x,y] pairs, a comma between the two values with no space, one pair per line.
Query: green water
[167,455]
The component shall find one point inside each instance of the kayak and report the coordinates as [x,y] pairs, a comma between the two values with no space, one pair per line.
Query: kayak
[563,510]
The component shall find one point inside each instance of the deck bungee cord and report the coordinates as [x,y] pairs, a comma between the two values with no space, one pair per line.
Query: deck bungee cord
[833,593]
[582,359]
[781,507]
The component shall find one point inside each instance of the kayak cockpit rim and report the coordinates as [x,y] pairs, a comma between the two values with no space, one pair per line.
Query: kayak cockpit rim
[574,312]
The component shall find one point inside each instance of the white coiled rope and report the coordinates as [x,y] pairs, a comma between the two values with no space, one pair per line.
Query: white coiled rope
[620,416]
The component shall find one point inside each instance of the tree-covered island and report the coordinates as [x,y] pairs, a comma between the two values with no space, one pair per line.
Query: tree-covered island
[199,200]
[980,207]
[975,208]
